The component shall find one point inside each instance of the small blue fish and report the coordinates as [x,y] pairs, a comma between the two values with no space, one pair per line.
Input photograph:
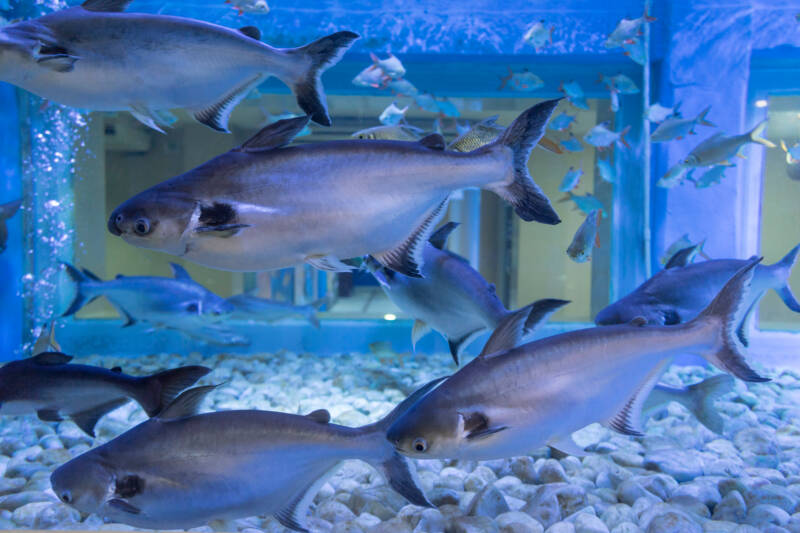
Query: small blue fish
[586,203]
[627,30]
[622,83]
[572,144]
[392,115]
[606,170]
[574,94]
[562,122]
[602,137]
[447,108]
[659,113]
[524,81]
[711,177]
[571,179]
[402,87]
[586,238]
[539,35]
[391,66]
[427,102]
[635,51]
[675,175]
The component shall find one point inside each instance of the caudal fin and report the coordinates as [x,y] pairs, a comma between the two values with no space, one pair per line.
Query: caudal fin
[723,315]
[322,54]
[9,209]
[784,268]
[161,389]
[702,397]
[756,135]
[82,297]
[702,120]
[523,193]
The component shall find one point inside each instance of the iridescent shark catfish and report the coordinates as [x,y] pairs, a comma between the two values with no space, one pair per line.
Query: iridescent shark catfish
[265,206]
[96,57]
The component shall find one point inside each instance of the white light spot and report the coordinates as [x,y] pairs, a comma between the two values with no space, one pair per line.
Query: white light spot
[761,103]
[390,316]
[52,204]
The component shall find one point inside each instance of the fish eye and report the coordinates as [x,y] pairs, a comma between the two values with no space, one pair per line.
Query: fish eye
[192,308]
[419,444]
[66,497]
[142,226]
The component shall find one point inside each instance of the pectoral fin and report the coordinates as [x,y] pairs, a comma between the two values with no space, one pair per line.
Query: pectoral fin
[420,330]
[567,446]
[122,505]
[147,117]
[477,426]
[321,416]
[54,57]
[223,231]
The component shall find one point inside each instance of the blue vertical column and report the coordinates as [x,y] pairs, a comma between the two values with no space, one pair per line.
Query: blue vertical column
[11,308]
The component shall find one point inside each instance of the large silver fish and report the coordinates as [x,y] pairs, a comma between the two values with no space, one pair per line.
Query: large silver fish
[678,294]
[46,384]
[96,57]
[182,469]
[451,297]
[720,149]
[7,211]
[265,206]
[249,307]
[509,401]
[151,299]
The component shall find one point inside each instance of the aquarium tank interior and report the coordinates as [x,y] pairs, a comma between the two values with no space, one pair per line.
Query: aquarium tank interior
[384,266]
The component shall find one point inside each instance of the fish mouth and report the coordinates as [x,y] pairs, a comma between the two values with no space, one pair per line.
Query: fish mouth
[112,224]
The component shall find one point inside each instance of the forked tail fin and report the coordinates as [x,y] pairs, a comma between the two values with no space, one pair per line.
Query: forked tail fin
[702,120]
[756,135]
[322,54]
[784,268]
[82,294]
[723,314]
[523,193]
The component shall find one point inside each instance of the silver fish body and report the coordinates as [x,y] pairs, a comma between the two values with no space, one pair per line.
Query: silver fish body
[676,295]
[394,132]
[111,61]
[675,127]
[585,239]
[507,403]
[47,385]
[720,149]
[263,207]
[182,470]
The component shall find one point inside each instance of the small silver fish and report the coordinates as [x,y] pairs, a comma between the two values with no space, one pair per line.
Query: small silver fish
[255,7]
[47,385]
[451,297]
[486,132]
[676,174]
[7,211]
[372,76]
[87,56]
[506,401]
[571,144]
[391,66]
[585,239]
[711,177]
[538,35]
[183,469]
[606,170]
[619,82]
[398,132]
[253,308]
[635,51]
[392,115]
[254,220]
[524,81]
[627,30]
[151,299]
[586,203]
[574,94]
[427,102]
[699,399]
[678,294]
[720,149]
[680,244]
[562,121]
[677,128]
[571,179]
[600,136]
[658,113]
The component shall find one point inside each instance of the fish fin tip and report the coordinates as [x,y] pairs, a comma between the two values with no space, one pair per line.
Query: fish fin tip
[216,114]
[628,419]
[87,420]
[407,258]
[434,141]
[401,475]
[322,53]
[328,263]
[321,416]
[251,31]
[439,238]
[419,330]
[179,272]
[164,387]
[187,404]
[275,135]
[51,359]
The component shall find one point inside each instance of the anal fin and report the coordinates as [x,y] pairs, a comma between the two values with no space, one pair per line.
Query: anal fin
[407,257]
[420,330]
[87,420]
[628,420]
[216,115]
[147,117]
[328,263]
[293,514]
[567,446]
[457,346]
[49,415]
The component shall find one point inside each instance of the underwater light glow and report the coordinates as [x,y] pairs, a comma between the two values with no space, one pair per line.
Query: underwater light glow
[390,316]
[761,103]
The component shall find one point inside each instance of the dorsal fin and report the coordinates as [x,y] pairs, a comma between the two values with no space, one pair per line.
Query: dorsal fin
[320,415]
[51,358]
[178,272]
[187,404]
[638,321]
[518,325]
[275,135]
[434,141]
[439,237]
[117,369]
[91,275]
[251,31]
[107,6]
[683,257]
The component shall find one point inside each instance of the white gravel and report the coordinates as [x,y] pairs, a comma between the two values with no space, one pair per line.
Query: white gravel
[679,477]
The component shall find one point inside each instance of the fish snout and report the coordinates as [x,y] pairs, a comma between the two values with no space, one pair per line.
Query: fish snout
[113,223]
[65,496]
[119,223]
